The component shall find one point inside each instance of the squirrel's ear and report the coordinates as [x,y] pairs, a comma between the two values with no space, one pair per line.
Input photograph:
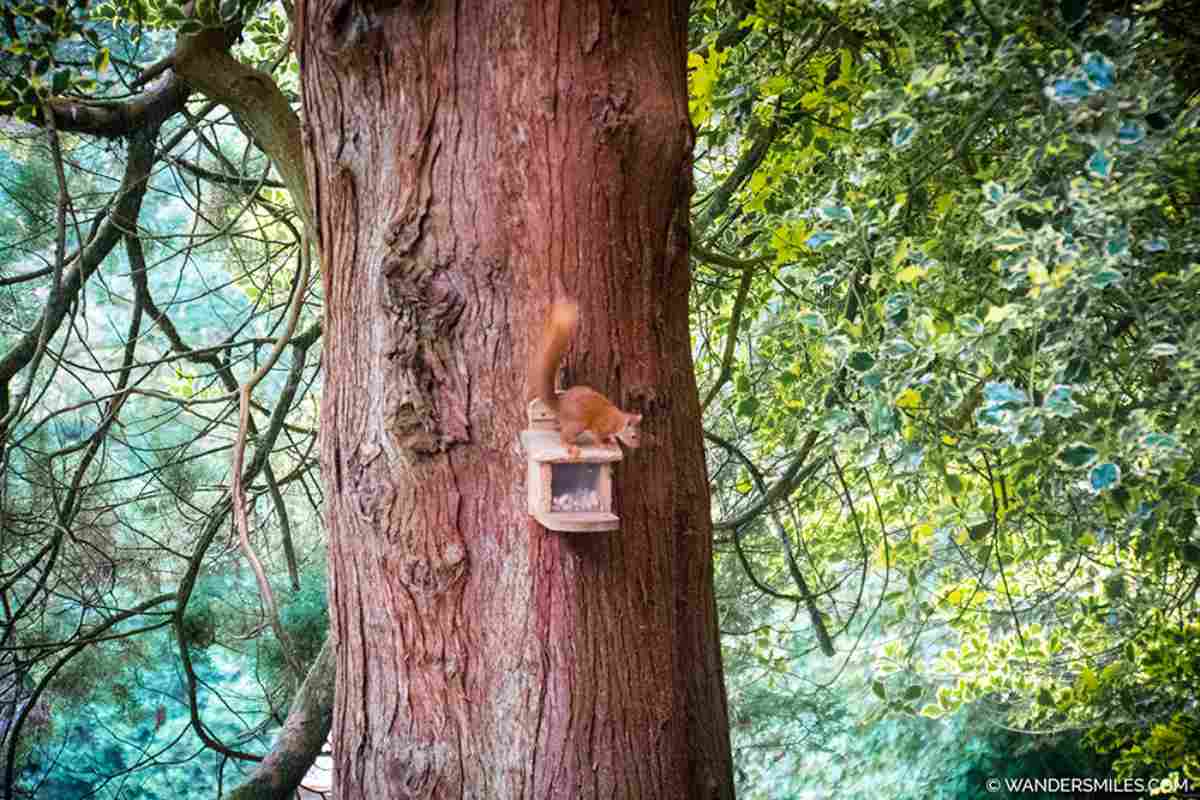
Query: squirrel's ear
[635,418]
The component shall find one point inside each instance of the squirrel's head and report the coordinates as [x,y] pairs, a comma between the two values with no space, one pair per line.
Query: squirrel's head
[631,434]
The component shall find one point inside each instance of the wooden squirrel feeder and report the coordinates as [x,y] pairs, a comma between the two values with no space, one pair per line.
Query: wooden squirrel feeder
[568,492]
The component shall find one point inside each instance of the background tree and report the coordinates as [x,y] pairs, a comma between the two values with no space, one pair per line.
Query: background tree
[137,306]
[948,314]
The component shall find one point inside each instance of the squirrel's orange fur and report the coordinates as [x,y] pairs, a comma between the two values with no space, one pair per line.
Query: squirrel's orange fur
[579,408]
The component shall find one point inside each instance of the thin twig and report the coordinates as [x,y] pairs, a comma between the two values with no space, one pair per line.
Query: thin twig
[239,452]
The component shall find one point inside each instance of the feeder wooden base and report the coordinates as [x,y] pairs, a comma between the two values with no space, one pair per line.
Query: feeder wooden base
[578,521]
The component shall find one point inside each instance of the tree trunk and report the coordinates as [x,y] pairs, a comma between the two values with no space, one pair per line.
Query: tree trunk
[466,167]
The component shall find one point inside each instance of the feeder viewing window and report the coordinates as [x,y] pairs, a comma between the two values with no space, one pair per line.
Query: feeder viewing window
[575,487]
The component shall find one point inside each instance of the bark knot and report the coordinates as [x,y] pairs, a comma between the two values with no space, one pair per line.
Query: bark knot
[436,574]
[610,112]
[348,25]
[425,407]
[357,25]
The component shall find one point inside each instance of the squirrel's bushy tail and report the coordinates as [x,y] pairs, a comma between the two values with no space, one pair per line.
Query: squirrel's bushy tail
[560,327]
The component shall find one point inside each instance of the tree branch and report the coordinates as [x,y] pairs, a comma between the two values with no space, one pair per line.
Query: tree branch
[797,472]
[204,61]
[239,181]
[721,260]
[237,491]
[121,218]
[301,738]
[111,120]
[719,201]
[735,321]
[806,595]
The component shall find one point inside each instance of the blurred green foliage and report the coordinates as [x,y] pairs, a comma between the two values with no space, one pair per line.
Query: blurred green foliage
[960,239]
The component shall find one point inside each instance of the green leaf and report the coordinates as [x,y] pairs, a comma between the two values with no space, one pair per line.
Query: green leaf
[897,348]
[895,307]
[903,136]
[999,394]
[861,361]
[1162,350]
[1105,278]
[1077,455]
[819,239]
[836,419]
[1104,477]
[970,325]
[1159,441]
[812,319]
[1010,240]
[1100,165]
[1058,403]
[835,213]
[61,81]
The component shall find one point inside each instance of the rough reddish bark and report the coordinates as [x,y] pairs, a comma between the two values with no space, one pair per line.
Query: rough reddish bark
[468,163]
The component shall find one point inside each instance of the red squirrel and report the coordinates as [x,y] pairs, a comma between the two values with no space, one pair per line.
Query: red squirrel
[580,408]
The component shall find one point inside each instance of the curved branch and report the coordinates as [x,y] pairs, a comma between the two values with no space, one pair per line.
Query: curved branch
[238,181]
[265,443]
[721,260]
[810,602]
[796,473]
[300,740]
[121,217]
[239,451]
[735,322]
[113,120]
[719,201]
[204,61]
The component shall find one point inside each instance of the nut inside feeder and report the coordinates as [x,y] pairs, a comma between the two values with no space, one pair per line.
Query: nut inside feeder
[568,492]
